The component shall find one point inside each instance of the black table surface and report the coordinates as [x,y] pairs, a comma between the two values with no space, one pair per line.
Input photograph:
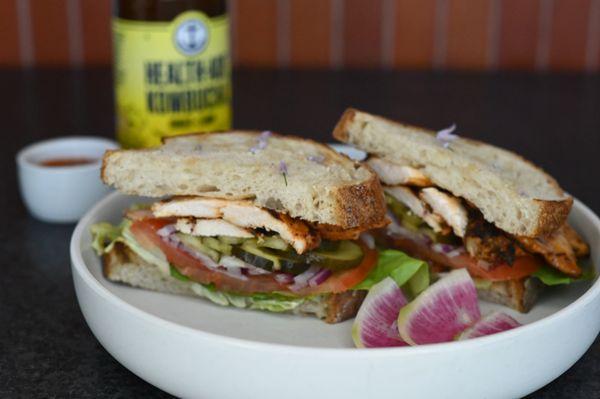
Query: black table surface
[46,348]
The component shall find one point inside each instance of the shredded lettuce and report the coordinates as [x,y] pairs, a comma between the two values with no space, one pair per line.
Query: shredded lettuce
[550,276]
[410,273]
[271,302]
[176,274]
[105,235]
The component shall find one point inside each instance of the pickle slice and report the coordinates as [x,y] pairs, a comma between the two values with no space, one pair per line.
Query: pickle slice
[197,244]
[217,245]
[339,255]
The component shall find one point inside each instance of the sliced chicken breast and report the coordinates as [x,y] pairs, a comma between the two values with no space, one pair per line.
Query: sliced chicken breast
[556,249]
[208,208]
[448,207]
[392,173]
[211,228]
[580,247]
[243,214]
[417,206]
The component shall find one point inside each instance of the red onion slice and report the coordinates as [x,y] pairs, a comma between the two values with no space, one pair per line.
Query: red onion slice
[235,272]
[456,252]
[232,261]
[319,278]
[174,241]
[443,248]
[368,240]
[166,230]
[301,280]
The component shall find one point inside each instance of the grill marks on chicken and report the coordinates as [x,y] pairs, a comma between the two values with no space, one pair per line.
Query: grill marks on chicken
[559,249]
[237,213]
[484,241]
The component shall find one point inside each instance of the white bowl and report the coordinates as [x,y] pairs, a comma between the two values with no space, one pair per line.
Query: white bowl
[62,194]
[192,348]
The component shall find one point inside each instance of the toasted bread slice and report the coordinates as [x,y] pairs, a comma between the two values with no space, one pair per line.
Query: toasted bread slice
[512,193]
[520,295]
[122,265]
[299,177]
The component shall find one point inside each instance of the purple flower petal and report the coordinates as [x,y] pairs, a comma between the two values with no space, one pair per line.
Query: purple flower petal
[262,142]
[316,158]
[283,167]
[445,136]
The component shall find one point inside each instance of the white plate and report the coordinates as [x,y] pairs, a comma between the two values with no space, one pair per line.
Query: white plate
[192,348]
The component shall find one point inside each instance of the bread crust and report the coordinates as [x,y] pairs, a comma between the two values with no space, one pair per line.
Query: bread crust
[519,295]
[333,308]
[362,205]
[359,203]
[551,213]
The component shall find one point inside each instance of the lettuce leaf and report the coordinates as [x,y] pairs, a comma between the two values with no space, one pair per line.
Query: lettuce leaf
[105,235]
[271,302]
[550,276]
[410,273]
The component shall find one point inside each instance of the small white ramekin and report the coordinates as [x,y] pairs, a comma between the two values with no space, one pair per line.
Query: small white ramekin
[62,194]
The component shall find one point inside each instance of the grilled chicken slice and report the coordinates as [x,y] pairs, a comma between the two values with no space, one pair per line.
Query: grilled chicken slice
[579,246]
[242,214]
[556,249]
[406,196]
[201,208]
[448,207]
[211,228]
[335,233]
[392,173]
[485,241]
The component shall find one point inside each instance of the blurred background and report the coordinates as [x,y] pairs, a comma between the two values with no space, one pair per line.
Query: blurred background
[521,74]
[533,35]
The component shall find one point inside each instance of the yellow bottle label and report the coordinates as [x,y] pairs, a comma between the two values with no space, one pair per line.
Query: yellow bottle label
[171,77]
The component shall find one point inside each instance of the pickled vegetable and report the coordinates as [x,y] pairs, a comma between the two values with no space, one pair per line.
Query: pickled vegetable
[338,255]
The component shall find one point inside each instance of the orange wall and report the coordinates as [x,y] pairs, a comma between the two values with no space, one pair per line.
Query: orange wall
[440,34]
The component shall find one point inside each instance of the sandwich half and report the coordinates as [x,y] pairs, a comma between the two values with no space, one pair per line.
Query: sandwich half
[456,202]
[247,219]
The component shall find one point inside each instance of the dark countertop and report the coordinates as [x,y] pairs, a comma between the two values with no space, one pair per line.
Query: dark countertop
[46,349]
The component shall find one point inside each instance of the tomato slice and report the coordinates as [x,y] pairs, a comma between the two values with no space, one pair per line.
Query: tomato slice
[523,266]
[145,232]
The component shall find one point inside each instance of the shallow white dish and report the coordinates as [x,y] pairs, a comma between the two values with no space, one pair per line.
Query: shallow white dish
[190,347]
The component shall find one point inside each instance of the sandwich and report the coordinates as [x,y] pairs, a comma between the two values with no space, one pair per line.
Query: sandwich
[246,219]
[456,202]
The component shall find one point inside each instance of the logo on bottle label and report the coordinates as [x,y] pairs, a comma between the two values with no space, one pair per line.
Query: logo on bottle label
[191,36]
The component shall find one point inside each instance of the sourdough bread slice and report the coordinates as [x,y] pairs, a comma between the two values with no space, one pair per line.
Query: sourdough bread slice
[520,295]
[122,265]
[512,193]
[299,177]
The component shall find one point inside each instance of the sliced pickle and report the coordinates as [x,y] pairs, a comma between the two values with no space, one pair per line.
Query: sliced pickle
[338,255]
[287,265]
[251,247]
[231,240]
[197,244]
[273,242]
[411,221]
[397,207]
[217,245]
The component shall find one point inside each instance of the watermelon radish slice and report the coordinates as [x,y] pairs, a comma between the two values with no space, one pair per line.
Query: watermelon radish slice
[375,323]
[441,312]
[493,323]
